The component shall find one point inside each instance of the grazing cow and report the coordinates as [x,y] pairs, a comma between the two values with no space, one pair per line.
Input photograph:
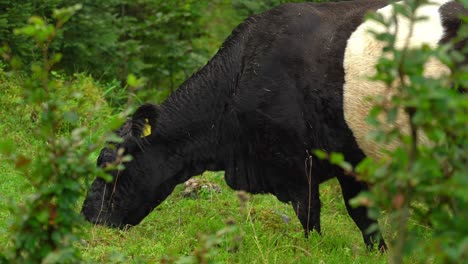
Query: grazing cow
[285,82]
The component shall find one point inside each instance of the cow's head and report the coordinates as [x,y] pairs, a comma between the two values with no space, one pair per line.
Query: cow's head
[143,182]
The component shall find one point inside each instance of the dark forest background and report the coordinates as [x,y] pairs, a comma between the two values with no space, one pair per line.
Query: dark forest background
[162,41]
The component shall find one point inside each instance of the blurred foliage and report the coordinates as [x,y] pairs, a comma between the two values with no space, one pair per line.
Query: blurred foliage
[250,7]
[110,39]
[56,113]
[420,186]
[162,41]
[424,181]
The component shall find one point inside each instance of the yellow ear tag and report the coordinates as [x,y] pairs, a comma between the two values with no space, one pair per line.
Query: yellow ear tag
[146,129]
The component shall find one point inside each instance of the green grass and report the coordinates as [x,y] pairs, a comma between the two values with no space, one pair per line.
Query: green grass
[260,234]
[214,226]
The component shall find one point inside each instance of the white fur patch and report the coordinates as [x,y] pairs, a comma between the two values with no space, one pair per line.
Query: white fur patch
[361,55]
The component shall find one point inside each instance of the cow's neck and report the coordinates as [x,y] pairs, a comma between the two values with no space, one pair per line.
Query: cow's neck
[198,119]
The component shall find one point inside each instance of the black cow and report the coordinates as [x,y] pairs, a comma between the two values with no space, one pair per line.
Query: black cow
[284,83]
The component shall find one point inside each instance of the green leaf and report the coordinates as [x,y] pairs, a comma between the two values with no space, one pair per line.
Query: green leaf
[132,80]
[37,21]
[57,57]
[320,154]
[336,158]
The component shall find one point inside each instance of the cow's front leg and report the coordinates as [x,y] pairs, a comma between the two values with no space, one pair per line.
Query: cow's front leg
[307,208]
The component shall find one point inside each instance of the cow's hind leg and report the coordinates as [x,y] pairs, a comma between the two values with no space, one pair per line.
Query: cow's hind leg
[350,188]
[306,205]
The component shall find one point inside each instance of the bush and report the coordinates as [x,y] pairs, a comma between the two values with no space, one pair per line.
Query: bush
[111,39]
[426,182]
[58,115]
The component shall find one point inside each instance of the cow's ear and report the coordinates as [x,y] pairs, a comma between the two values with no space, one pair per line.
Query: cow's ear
[144,120]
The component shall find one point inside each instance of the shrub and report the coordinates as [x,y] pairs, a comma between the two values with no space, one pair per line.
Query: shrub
[57,114]
[426,182]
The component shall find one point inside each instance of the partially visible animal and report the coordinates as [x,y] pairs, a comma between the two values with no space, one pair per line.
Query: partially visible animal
[286,82]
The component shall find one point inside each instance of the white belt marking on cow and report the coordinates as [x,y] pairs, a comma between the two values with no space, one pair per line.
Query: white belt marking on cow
[361,56]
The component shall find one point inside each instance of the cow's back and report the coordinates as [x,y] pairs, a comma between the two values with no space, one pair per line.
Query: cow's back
[291,82]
